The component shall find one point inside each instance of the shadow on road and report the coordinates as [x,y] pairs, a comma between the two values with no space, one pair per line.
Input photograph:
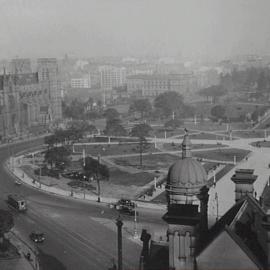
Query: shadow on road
[49,262]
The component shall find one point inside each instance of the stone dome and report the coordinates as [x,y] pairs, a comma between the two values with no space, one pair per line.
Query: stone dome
[186,176]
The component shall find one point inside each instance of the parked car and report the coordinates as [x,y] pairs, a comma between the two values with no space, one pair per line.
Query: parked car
[37,237]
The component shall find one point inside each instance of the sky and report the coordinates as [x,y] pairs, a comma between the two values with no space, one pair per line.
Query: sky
[92,28]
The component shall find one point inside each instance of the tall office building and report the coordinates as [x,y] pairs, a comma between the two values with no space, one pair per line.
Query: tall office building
[111,76]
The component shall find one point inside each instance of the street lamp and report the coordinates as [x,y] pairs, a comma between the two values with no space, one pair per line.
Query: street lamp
[119,224]
[98,180]
[135,223]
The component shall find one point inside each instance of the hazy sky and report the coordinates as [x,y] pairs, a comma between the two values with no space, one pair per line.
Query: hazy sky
[217,28]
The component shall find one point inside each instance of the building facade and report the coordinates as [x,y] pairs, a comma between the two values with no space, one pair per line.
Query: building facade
[111,76]
[84,82]
[29,100]
[153,85]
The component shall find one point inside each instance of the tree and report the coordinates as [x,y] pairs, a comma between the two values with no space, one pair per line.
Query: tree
[218,111]
[173,123]
[262,82]
[57,155]
[6,223]
[214,91]
[169,103]
[141,131]
[93,168]
[143,106]
[111,113]
[114,128]
[74,110]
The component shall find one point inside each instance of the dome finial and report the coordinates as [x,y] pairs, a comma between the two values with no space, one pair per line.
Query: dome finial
[186,146]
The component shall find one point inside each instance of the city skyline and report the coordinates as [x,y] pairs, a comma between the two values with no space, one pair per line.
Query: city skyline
[212,29]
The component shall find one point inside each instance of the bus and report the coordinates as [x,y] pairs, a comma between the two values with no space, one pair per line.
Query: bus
[17,202]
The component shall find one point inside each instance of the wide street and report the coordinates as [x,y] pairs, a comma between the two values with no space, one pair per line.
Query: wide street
[80,235]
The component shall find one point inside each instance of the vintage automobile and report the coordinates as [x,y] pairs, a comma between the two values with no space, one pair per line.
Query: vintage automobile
[37,237]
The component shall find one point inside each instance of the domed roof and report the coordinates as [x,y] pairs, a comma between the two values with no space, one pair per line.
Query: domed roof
[186,175]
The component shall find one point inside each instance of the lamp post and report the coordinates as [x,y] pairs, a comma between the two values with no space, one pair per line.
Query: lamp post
[119,224]
[135,223]
[98,180]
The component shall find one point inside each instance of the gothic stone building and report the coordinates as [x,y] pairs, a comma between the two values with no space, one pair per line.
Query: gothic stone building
[29,101]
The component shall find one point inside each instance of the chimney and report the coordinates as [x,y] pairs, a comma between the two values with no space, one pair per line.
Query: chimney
[266,226]
[243,179]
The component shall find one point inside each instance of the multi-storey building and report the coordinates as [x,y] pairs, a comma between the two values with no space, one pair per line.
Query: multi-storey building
[153,85]
[29,100]
[111,76]
[20,66]
[83,82]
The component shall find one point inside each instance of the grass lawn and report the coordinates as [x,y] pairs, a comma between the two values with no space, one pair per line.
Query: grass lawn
[156,162]
[160,132]
[250,134]
[178,146]
[222,154]
[113,149]
[118,177]
[150,162]
[207,136]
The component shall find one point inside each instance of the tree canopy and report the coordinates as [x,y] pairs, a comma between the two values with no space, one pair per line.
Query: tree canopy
[214,91]
[111,114]
[57,155]
[95,169]
[140,130]
[169,102]
[218,111]
[114,128]
[143,106]
[173,123]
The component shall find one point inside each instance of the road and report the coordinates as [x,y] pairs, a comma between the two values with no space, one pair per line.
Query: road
[80,235]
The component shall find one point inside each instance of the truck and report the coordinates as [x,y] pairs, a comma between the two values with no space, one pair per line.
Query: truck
[17,202]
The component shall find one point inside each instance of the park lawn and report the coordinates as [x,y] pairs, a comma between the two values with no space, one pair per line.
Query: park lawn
[150,162]
[113,149]
[118,177]
[178,146]
[222,154]
[160,132]
[251,134]
[208,136]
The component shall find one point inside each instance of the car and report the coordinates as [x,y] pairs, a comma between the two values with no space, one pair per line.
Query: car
[37,237]
[125,202]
